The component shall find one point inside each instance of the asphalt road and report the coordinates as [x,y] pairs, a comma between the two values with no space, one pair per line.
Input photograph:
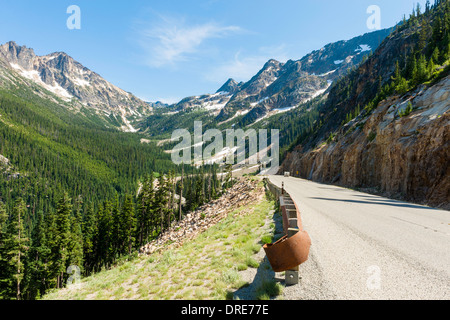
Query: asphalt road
[369,247]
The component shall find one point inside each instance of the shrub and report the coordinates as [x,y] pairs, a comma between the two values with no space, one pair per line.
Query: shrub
[406,111]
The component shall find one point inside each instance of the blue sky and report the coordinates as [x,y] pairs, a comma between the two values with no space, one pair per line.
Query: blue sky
[167,50]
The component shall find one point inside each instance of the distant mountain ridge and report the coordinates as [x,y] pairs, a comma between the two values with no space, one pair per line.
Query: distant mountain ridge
[282,86]
[72,83]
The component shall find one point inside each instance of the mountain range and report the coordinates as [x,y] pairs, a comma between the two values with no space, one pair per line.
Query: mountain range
[62,79]
[79,157]
[279,87]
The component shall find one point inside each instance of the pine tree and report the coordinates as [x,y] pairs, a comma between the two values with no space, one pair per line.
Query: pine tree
[141,212]
[128,222]
[90,231]
[422,71]
[435,57]
[61,236]
[104,234]
[149,223]
[437,30]
[4,267]
[229,176]
[171,195]
[189,205]
[75,256]
[397,75]
[423,37]
[400,84]
[161,202]
[37,266]
[411,68]
[17,245]
[199,191]
[180,210]
[115,248]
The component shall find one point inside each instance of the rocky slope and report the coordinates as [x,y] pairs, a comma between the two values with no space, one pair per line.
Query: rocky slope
[385,125]
[242,193]
[282,86]
[74,84]
[404,157]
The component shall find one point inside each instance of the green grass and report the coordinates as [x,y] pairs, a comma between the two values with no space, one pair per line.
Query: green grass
[268,289]
[208,267]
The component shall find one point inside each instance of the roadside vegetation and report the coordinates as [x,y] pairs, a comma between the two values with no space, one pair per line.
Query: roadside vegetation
[206,268]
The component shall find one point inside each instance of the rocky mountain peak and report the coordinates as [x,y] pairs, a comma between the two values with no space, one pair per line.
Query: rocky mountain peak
[272,63]
[69,80]
[231,86]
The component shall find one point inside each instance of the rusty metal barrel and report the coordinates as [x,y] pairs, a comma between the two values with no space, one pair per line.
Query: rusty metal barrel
[293,248]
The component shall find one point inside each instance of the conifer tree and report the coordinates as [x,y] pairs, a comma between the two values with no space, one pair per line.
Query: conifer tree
[400,84]
[4,267]
[38,257]
[17,245]
[128,222]
[171,195]
[115,249]
[161,202]
[180,210]
[142,212]
[437,30]
[59,245]
[149,223]
[89,237]
[75,257]
[104,234]
[422,70]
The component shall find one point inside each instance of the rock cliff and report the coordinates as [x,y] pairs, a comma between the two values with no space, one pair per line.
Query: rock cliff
[398,155]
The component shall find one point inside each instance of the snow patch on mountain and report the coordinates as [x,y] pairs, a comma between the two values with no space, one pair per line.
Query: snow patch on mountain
[81,83]
[363,48]
[34,76]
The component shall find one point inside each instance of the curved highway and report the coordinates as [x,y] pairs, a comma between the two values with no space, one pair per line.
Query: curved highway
[369,247]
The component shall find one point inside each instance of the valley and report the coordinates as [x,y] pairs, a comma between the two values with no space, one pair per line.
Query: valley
[88,178]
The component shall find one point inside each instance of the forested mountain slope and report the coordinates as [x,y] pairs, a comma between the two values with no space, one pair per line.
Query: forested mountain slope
[68,187]
[73,193]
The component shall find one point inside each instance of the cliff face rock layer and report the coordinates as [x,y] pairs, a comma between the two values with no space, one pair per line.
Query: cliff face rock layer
[401,156]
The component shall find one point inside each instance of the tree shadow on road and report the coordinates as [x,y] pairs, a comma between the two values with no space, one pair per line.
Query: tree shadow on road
[383,202]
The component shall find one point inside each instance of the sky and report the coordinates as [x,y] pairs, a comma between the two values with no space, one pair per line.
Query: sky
[168,50]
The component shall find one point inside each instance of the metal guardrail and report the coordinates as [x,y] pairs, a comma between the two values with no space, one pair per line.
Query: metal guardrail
[288,253]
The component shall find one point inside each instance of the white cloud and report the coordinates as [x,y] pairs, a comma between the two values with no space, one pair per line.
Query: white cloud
[172,40]
[167,100]
[243,68]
